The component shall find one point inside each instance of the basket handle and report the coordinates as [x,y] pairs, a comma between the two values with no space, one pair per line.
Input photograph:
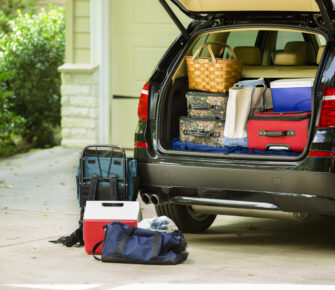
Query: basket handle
[208,44]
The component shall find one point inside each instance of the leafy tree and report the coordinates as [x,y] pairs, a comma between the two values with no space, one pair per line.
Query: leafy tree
[10,124]
[8,11]
[31,54]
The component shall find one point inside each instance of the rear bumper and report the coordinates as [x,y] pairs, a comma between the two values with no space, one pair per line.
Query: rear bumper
[290,190]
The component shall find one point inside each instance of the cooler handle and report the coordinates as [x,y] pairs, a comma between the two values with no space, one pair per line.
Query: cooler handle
[113,204]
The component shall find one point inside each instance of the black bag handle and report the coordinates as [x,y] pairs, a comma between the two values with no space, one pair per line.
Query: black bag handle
[93,188]
[123,241]
[157,236]
[113,190]
[95,248]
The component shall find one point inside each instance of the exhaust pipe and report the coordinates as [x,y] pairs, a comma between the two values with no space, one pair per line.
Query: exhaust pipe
[155,199]
[145,198]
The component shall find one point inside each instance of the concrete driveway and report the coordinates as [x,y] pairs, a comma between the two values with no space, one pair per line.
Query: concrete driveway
[38,203]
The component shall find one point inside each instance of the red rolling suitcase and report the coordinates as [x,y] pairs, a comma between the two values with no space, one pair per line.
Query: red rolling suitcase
[269,130]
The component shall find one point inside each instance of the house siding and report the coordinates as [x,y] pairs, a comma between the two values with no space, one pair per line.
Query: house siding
[140,33]
[78,37]
[81,31]
[79,79]
[44,4]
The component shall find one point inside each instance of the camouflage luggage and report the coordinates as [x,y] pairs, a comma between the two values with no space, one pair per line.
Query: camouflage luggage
[201,131]
[206,105]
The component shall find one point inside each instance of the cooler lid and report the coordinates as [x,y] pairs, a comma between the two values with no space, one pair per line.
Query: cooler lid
[112,210]
[292,83]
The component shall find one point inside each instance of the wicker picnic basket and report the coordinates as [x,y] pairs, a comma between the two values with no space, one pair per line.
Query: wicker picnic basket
[212,74]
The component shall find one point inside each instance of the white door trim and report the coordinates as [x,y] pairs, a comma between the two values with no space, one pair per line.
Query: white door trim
[100,55]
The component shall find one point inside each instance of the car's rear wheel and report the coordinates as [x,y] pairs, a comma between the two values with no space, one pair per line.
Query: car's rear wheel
[186,219]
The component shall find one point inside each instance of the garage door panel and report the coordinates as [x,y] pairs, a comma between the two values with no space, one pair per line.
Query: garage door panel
[140,33]
[124,118]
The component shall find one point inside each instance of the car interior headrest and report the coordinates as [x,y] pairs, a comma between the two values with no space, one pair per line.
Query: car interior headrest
[302,47]
[250,55]
[289,58]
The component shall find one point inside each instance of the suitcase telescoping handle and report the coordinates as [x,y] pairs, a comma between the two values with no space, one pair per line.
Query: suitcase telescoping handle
[265,133]
[205,134]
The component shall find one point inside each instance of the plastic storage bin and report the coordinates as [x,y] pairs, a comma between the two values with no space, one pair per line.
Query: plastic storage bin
[292,95]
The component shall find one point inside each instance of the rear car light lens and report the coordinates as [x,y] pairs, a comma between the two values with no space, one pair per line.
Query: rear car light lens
[142,110]
[321,154]
[327,116]
[141,145]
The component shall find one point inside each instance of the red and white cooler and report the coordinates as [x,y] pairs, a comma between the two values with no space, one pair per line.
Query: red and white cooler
[100,213]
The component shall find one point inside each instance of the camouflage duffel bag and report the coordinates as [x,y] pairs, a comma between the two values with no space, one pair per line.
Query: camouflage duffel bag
[206,105]
[201,131]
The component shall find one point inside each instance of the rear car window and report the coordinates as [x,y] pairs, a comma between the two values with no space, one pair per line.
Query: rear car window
[242,38]
[284,37]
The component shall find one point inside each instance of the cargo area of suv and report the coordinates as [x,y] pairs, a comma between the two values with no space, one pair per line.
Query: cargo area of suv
[268,54]
[288,40]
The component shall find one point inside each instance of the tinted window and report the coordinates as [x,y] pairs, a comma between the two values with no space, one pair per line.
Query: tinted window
[201,40]
[241,38]
[284,37]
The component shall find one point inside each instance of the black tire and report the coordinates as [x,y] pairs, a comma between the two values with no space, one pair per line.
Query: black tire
[187,220]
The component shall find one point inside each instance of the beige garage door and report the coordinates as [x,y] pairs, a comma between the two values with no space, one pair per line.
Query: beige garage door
[140,32]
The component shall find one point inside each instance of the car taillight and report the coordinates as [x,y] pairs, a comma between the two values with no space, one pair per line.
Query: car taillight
[327,116]
[321,153]
[142,110]
[141,145]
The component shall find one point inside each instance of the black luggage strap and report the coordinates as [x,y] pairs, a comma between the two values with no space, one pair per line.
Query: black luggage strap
[156,245]
[75,239]
[113,192]
[95,248]
[123,241]
[93,188]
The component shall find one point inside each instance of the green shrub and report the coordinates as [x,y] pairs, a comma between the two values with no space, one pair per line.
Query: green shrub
[10,124]
[32,52]
[8,11]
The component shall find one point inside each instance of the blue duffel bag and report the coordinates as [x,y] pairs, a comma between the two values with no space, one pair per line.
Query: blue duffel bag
[128,244]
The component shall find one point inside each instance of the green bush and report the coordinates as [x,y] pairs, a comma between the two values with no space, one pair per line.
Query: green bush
[8,11]
[32,52]
[10,124]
